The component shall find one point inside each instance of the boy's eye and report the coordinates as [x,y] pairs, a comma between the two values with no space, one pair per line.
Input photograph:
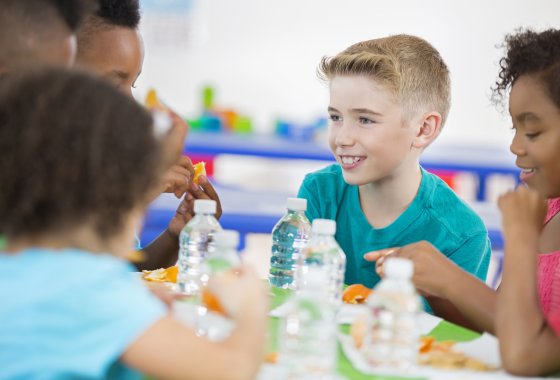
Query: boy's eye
[365,120]
[532,136]
[335,117]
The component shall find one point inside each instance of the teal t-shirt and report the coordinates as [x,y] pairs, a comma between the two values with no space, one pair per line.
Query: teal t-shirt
[436,214]
[70,314]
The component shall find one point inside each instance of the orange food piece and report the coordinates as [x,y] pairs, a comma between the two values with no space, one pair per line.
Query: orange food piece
[426,344]
[161,275]
[356,293]
[212,302]
[199,169]
[271,357]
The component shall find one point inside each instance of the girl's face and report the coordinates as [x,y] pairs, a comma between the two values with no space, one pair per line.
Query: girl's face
[116,54]
[536,143]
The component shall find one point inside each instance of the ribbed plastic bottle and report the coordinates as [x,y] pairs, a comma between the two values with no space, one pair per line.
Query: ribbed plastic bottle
[308,332]
[289,237]
[323,252]
[391,339]
[195,241]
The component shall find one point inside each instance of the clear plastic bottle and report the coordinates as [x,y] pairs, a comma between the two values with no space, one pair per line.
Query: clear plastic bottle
[324,252]
[224,257]
[308,332]
[289,237]
[391,339]
[195,241]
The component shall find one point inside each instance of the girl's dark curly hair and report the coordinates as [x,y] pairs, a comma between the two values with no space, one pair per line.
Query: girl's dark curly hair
[530,53]
[75,152]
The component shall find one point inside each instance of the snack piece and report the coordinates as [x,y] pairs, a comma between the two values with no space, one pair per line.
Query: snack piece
[161,275]
[212,302]
[356,293]
[358,330]
[199,169]
[271,357]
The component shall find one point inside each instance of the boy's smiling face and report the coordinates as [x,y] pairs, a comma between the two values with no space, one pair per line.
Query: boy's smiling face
[368,133]
[536,143]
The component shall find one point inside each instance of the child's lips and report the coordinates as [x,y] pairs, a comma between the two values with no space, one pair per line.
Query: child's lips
[350,162]
[527,174]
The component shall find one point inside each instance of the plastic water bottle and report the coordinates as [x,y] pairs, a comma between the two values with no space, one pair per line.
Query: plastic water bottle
[308,332]
[224,257]
[391,339]
[289,237]
[323,252]
[195,241]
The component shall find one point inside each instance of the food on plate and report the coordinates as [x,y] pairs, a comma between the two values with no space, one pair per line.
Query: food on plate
[358,330]
[432,353]
[199,169]
[161,275]
[356,293]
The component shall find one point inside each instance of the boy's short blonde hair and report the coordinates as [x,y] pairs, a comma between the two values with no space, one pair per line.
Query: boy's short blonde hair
[408,66]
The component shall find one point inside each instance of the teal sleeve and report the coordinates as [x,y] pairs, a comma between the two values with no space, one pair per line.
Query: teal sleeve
[473,255]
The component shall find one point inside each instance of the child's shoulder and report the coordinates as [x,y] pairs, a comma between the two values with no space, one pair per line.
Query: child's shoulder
[330,175]
[449,209]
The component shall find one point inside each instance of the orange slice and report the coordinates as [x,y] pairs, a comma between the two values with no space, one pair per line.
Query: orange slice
[212,302]
[161,275]
[199,169]
[356,293]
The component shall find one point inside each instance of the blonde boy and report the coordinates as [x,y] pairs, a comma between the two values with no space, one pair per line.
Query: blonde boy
[389,98]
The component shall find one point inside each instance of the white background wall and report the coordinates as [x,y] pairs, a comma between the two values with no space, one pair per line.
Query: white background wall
[261,55]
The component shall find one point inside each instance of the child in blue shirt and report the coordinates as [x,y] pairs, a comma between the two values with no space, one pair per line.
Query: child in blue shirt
[389,98]
[80,162]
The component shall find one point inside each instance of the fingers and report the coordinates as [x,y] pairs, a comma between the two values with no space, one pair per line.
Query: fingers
[376,255]
[211,192]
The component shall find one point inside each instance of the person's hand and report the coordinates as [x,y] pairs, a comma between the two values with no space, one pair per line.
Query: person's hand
[177,179]
[523,212]
[433,272]
[204,190]
[182,216]
[241,293]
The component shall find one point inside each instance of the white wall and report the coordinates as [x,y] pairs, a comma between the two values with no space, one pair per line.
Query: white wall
[261,55]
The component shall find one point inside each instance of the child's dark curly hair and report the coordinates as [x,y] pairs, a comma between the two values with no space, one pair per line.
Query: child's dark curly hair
[75,152]
[120,12]
[530,53]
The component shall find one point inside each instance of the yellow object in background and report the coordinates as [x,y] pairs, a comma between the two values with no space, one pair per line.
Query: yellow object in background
[152,101]
[199,169]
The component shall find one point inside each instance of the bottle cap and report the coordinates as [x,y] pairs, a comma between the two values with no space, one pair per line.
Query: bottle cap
[226,238]
[204,206]
[323,226]
[296,204]
[399,268]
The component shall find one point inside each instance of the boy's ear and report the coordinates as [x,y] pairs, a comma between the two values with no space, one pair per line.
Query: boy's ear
[428,130]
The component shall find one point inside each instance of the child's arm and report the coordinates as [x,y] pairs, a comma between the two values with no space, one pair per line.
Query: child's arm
[453,294]
[169,350]
[528,345]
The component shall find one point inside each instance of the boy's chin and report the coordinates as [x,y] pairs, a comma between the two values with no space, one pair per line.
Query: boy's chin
[353,180]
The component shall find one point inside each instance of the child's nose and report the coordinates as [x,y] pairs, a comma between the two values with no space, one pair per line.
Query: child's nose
[344,136]
[516,146]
